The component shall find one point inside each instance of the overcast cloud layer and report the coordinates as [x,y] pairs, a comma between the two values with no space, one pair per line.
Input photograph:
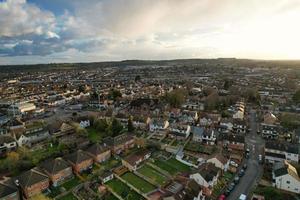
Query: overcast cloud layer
[92,30]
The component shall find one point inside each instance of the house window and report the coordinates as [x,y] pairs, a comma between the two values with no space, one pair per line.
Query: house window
[287,182]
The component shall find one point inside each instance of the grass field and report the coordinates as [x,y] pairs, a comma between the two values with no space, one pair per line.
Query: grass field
[123,190]
[138,182]
[153,174]
[94,135]
[172,166]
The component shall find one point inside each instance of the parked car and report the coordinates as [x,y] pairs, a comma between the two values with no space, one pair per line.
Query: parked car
[241,173]
[231,187]
[242,197]
[233,163]
[260,159]
[236,179]
[245,166]
[222,197]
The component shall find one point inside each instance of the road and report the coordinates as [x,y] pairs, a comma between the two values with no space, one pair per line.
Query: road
[254,170]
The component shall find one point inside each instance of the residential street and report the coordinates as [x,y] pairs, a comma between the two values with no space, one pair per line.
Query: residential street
[254,171]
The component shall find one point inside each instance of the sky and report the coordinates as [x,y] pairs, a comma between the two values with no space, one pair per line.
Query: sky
[55,31]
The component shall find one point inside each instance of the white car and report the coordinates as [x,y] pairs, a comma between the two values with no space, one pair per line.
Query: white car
[243,197]
[233,163]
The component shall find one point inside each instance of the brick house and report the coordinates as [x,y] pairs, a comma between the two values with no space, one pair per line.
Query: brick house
[80,161]
[32,182]
[120,143]
[58,170]
[132,161]
[100,153]
[8,192]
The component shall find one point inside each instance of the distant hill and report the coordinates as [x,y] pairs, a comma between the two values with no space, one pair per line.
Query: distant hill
[124,63]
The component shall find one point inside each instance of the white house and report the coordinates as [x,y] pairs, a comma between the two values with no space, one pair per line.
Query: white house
[279,151]
[220,162]
[30,138]
[84,123]
[285,177]
[7,144]
[207,176]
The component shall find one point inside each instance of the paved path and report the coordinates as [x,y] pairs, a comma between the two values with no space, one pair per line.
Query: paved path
[254,171]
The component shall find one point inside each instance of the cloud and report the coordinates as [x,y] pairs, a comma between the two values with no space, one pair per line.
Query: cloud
[95,30]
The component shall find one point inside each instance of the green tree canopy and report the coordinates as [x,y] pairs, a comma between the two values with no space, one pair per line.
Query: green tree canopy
[296,96]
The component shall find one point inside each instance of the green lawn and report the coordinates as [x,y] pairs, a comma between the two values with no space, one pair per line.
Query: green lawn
[138,182]
[94,135]
[123,190]
[54,192]
[69,196]
[153,174]
[71,183]
[178,165]
[110,197]
[172,166]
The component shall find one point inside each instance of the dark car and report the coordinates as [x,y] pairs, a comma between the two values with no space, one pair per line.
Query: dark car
[245,166]
[236,179]
[231,187]
[241,173]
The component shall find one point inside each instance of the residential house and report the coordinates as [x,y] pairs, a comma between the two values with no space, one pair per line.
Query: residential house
[80,161]
[179,132]
[120,143]
[7,144]
[269,131]
[239,126]
[286,177]
[234,142]
[197,133]
[9,192]
[219,161]
[21,108]
[30,138]
[32,182]
[276,151]
[209,137]
[100,153]
[58,170]
[174,191]
[270,118]
[207,176]
[106,176]
[157,124]
[132,161]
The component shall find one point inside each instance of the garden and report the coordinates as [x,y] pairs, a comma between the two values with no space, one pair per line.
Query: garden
[153,174]
[138,182]
[123,190]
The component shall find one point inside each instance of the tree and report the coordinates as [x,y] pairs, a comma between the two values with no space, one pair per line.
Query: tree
[227,84]
[296,96]
[81,88]
[101,125]
[114,94]
[116,127]
[130,126]
[176,97]
[137,78]
[13,159]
